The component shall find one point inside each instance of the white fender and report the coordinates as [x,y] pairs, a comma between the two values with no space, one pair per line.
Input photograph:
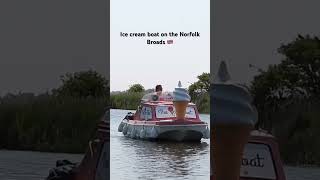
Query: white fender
[153,133]
[120,128]
[125,129]
[206,133]
[142,133]
[133,132]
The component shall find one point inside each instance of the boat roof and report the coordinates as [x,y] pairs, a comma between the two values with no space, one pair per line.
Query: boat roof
[156,103]
[166,98]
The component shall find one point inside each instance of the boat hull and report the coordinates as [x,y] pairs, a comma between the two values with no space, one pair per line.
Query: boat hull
[185,132]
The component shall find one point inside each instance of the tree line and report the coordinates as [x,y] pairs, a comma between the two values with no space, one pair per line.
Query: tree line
[130,98]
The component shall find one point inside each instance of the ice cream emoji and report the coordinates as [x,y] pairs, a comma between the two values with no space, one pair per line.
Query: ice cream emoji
[233,117]
[181,100]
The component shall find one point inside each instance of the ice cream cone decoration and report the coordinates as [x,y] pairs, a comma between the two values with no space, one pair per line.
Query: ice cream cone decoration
[228,145]
[223,73]
[181,100]
[233,119]
[181,107]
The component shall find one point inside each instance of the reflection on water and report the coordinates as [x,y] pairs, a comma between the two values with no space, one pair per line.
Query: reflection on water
[137,159]
[175,158]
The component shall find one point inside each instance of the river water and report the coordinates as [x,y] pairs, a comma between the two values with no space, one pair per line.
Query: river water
[27,165]
[132,159]
[136,159]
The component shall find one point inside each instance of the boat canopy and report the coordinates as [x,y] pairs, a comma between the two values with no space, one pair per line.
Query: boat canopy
[165,96]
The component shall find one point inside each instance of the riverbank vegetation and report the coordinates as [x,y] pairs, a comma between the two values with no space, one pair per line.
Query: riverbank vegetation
[287,96]
[62,120]
[125,100]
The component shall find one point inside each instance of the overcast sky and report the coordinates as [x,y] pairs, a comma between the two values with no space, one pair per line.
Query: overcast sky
[134,61]
[41,40]
[250,31]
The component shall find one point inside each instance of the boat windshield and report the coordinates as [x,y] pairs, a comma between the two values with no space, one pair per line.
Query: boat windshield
[165,96]
[168,111]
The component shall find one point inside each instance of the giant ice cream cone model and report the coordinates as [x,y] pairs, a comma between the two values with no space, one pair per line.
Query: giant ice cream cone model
[233,119]
[180,109]
[181,99]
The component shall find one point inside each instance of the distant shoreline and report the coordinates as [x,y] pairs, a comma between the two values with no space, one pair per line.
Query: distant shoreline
[131,100]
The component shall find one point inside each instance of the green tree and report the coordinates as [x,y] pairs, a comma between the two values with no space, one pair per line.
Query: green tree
[199,92]
[287,98]
[204,81]
[200,86]
[136,88]
[303,54]
[83,84]
[296,76]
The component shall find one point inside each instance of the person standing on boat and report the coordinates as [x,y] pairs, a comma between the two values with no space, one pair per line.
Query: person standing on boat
[159,93]
[158,90]
[163,96]
[154,96]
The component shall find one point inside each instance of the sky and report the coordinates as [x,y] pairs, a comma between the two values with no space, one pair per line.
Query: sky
[133,61]
[42,40]
[250,31]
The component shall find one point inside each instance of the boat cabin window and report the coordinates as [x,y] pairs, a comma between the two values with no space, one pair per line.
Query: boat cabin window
[168,111]
[146,113]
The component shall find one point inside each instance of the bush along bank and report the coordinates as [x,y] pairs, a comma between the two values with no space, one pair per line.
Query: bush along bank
[47,123]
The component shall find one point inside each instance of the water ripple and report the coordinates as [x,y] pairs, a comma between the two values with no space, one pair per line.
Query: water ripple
[137,159]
